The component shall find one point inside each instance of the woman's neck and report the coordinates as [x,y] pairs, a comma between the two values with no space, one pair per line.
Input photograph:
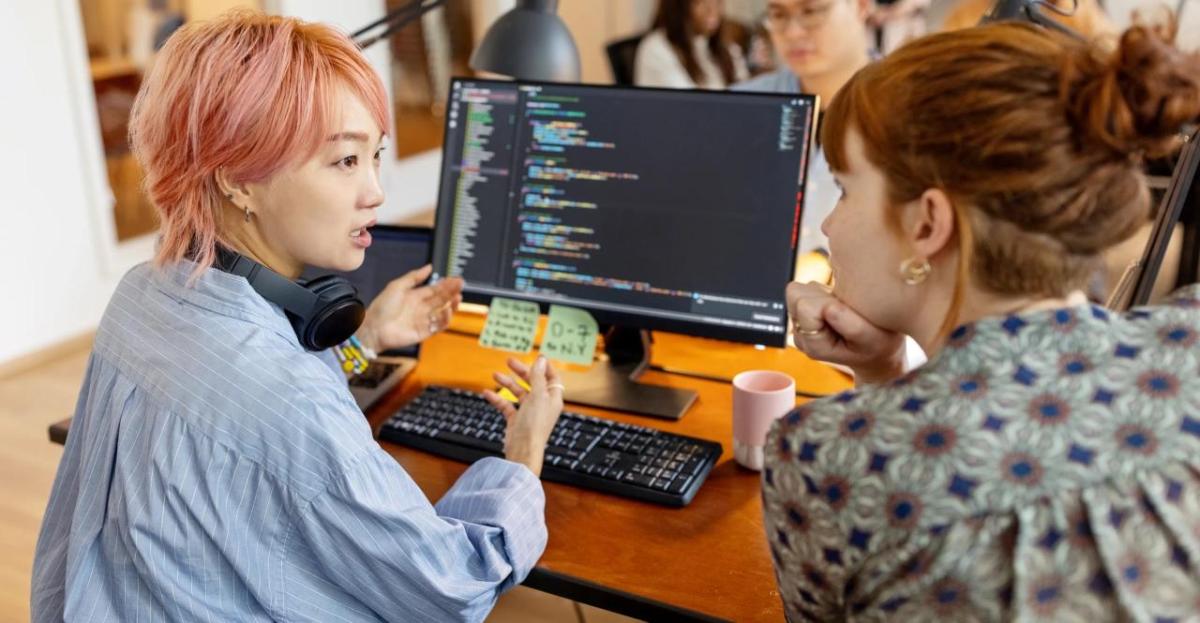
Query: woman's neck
[246,239]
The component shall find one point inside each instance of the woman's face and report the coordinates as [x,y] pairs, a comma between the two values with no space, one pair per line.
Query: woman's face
[316,212]
[706,16]
[865,251]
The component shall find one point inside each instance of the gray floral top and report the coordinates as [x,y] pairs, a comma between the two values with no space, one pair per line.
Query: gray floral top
[1042,467]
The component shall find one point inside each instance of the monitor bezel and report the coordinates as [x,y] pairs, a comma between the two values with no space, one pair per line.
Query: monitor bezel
[613,317]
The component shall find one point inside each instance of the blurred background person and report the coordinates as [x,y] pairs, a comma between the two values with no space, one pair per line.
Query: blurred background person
[691,46]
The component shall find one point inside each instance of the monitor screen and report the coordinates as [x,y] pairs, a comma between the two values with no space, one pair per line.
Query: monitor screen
[662,209]
[394,251]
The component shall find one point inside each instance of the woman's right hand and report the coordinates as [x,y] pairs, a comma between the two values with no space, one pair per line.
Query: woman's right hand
[827,329]
[530,424]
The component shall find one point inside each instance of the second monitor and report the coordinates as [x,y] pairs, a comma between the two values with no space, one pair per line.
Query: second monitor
[651,208]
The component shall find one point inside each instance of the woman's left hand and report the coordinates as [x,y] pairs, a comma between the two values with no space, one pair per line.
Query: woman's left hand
[827,329]
[403,314]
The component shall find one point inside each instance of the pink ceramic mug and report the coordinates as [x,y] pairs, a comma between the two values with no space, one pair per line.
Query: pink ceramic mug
[759,398]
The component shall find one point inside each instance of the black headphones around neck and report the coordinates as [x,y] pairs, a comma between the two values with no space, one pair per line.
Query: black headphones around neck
[324,312]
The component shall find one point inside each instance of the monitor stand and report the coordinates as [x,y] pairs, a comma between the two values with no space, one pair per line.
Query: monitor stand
[614,384]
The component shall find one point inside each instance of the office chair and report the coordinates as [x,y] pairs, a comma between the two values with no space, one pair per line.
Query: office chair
[622,54]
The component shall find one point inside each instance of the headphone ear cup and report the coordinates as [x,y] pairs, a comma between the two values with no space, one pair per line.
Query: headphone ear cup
[338,313]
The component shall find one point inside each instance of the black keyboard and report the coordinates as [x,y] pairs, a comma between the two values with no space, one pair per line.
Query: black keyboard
[612,457]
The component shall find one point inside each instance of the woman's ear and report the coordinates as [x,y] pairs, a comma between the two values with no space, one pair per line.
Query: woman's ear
[236,193]
[930,223]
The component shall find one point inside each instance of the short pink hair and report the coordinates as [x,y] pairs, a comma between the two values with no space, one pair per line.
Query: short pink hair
[246,93]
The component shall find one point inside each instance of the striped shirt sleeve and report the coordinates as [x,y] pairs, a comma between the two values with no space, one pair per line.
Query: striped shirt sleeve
[379,538]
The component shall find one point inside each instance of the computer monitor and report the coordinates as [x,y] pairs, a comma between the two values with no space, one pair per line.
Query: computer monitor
[675,210]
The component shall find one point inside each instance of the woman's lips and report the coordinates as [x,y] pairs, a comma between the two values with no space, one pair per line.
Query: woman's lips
[361,237]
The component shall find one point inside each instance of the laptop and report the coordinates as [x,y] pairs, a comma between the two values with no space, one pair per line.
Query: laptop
[394,250]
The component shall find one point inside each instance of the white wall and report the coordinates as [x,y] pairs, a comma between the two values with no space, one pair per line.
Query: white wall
[56,277]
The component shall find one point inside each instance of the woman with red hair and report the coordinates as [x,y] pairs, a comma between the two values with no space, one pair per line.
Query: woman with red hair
[1042,466]
[218,468]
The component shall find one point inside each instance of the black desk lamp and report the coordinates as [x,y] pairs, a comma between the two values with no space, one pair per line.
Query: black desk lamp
[529,42]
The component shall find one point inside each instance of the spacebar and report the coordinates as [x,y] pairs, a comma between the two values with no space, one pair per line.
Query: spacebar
[470,442]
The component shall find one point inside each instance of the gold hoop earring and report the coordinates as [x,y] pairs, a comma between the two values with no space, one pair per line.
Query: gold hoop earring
[915,270]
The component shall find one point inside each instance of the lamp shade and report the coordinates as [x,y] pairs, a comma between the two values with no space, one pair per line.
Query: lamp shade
[529,42]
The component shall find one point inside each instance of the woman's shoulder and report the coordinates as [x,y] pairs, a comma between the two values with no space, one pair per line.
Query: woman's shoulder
[655,40]
[199,351]
[657,64]
[654,51]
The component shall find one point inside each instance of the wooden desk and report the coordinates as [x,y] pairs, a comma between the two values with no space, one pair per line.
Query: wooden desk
[708,561]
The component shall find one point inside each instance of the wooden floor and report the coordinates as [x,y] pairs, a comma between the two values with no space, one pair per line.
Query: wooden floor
[31,401]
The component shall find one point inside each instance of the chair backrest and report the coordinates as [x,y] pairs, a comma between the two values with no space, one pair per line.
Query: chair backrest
[622,54]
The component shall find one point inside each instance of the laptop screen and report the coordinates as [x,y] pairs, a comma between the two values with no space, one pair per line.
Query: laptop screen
[394,251]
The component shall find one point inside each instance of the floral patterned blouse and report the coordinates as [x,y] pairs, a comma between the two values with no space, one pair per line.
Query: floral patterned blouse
[1043,467]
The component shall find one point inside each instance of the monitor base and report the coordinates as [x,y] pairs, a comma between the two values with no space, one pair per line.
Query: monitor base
[614,385]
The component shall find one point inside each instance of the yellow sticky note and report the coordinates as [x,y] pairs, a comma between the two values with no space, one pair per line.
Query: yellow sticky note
[508,395]
[570,335]
[510,325]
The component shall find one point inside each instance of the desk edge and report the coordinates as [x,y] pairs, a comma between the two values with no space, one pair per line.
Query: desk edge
[610,599]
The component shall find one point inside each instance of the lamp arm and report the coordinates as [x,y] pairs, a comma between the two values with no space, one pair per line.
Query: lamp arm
[394,20]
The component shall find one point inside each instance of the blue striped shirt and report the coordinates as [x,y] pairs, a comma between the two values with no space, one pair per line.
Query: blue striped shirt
[216,471]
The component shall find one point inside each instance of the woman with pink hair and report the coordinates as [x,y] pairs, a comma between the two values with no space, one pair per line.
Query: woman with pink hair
[217,467]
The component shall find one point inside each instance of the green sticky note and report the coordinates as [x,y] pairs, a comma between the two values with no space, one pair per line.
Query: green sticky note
[570,335]
[510,325]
